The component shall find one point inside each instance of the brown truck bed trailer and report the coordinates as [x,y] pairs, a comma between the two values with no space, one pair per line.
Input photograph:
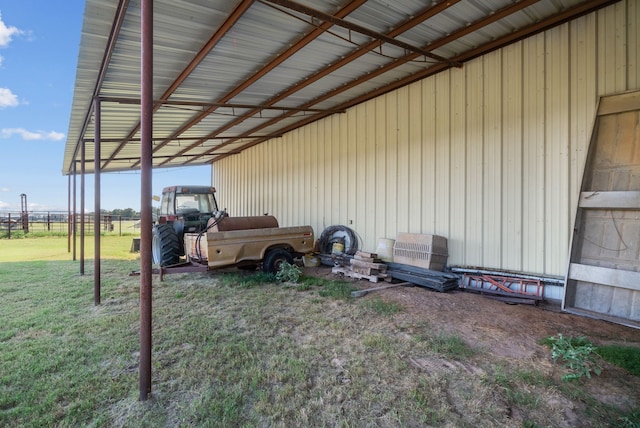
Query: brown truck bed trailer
[229,248]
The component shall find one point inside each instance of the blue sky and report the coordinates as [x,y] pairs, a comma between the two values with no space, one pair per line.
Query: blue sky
[39,42]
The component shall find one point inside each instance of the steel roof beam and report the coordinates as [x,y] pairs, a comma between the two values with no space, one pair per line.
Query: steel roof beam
[218,105]
[200,56]
[137,140]
[279,59]
[314,13]
[362,50]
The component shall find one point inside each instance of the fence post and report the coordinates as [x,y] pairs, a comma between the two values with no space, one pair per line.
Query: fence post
[9,227]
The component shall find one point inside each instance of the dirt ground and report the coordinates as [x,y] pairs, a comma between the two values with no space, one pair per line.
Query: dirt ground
[506,329]
[512,331]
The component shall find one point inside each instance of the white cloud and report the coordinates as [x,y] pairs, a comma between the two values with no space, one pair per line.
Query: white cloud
[30,135]
[7,98]
[7,33]
[4,189]
[4,205]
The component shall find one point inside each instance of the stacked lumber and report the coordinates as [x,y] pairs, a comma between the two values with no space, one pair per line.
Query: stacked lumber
[364,265]
[428,278]
[335,259]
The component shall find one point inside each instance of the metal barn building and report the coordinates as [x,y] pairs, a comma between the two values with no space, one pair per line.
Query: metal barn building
[469,119]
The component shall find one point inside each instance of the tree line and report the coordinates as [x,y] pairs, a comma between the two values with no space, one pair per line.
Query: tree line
[124,213]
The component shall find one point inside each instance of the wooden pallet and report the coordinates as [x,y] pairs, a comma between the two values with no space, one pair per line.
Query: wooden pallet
[364,265]
[351,274]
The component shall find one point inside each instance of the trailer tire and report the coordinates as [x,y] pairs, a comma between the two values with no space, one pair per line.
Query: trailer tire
[275,258]
[165,245]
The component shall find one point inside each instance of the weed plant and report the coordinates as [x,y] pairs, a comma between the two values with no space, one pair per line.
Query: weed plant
[288,273]
[576,354]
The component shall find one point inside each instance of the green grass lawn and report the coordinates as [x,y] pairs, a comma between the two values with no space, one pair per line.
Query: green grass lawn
[237,349]
[53,248]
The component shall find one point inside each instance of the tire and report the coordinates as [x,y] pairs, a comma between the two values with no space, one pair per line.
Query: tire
[275,258]
[338,233]
[165,245]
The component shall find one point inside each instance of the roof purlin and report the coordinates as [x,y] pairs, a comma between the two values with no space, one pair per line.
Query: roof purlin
[362,50]
[202,53]
[354,27]
[279,59]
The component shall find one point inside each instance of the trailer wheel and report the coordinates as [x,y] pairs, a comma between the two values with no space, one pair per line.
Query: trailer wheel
[165,245]
[275,258]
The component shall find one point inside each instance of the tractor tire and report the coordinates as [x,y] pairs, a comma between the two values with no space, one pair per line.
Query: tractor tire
[165,245]
[275,258]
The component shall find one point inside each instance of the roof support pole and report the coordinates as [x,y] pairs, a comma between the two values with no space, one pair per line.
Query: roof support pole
[146,165]
[83,171]
[96,197]
[69,213]
[75,217]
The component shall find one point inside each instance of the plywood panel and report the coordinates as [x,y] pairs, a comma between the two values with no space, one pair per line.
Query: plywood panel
[605,259]
[607,200]
[605,276]
[619,103]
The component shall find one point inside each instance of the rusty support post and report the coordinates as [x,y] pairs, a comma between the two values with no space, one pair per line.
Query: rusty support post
[96,197]
[146,165]
[75,218]
[69,213]
[83,170]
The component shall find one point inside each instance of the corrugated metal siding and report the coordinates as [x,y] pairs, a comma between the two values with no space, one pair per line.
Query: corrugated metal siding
[490,155]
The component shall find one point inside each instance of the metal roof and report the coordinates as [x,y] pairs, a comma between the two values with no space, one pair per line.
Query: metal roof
[228,75]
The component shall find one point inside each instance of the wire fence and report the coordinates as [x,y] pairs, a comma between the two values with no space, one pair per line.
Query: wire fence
[14,224]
